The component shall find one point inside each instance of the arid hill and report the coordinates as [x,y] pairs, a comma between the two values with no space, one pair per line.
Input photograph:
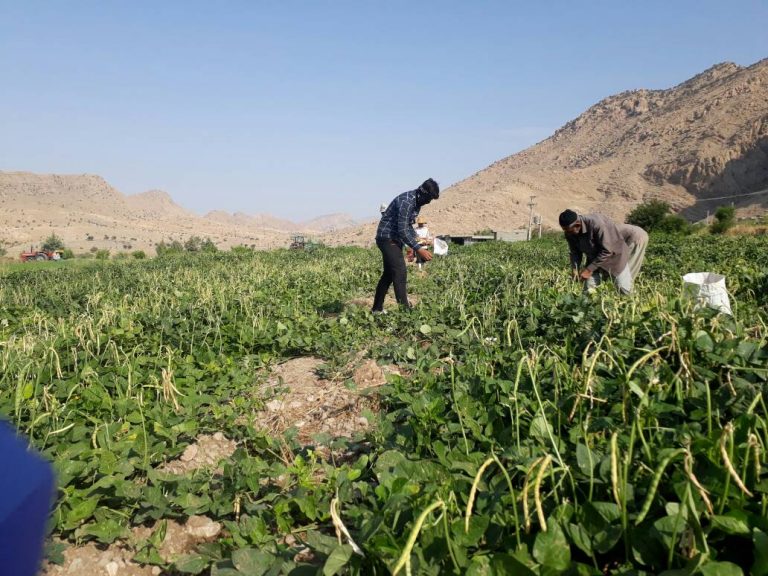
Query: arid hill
[88,213]
[706,138]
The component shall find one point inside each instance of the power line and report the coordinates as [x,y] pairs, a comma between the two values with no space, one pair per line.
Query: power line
[604,200]
[734,196]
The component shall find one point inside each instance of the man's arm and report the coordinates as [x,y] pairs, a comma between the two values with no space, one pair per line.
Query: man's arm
[575,253]
[404,229]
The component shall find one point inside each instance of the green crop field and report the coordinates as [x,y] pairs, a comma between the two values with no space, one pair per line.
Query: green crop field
[529,429]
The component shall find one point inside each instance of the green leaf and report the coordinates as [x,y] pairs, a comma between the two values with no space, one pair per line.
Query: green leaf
[337,560]
[552,549]
[191,564]
[425,329]
[721,569]
[760,565]
[106,531]
[540,427]
[586,458]
[731,525]
[185,427]
[480,566]
[251,561]
[580,537]
[80,511]
[704,341]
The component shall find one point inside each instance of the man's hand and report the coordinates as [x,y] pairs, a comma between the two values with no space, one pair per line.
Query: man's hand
[574,274]
[424,254]
[585,274]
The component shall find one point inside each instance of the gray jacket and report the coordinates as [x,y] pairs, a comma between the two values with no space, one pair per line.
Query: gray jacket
[633,235]
[601,242]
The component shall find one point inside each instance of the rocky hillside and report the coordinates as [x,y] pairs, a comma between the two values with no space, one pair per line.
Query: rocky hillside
[88,213]
[706,138]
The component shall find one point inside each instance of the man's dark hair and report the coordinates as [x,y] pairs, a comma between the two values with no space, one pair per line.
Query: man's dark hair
[567,218]
[430,188]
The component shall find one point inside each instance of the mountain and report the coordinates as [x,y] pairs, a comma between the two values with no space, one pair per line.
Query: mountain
[329,223]
[697,145]
[156,204]
[89,214]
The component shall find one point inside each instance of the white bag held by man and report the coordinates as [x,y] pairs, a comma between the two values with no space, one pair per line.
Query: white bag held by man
[708,289]
[440,247]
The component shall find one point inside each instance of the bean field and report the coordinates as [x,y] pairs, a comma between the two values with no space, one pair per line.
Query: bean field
[521,427]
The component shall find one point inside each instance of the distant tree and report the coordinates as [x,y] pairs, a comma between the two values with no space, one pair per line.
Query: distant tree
[648,215]
[724,218]
[193,244]
[674,224]
[138,255]
[163,249]
[52,243]
[208,246]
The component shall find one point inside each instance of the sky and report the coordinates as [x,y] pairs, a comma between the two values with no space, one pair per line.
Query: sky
[304,108]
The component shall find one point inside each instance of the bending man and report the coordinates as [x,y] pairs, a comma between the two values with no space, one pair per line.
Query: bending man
[395,231]
[597,239]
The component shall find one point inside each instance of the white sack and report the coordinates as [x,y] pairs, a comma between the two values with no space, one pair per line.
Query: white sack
[708,289]
[440,247]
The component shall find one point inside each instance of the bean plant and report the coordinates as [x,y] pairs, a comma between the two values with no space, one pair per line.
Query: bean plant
[532,429]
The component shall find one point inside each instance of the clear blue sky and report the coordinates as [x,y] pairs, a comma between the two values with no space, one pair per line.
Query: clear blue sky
[306,108]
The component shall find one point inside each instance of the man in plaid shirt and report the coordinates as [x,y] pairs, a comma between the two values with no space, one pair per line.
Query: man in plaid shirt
[396,230]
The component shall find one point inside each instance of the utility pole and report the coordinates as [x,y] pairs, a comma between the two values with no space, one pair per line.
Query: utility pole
[531,204]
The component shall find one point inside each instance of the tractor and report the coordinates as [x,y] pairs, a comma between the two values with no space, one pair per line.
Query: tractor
[297,243]
[40,255]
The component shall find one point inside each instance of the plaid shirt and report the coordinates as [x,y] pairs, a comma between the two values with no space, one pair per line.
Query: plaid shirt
[398,220]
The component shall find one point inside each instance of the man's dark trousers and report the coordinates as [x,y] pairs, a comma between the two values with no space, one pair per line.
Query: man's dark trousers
[394,273]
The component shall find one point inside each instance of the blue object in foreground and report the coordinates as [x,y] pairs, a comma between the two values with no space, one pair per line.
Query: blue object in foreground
[26,494]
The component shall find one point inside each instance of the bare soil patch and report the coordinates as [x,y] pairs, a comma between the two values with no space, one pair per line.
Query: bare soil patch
[313,405]
[206,452]
[389,301]
[116,559]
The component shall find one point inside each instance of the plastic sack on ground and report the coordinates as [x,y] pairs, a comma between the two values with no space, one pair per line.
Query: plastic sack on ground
[708,289]
[440,247]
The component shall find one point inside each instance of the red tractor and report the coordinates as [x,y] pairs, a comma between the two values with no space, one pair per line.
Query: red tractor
[40,255]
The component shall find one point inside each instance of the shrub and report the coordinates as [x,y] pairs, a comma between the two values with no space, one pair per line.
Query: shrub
[193,244]
[138,255]
[67,254]
[174,247]
[724,219]
[208,246]
[52,243]
[674,224]
[102,255]
[648,215]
